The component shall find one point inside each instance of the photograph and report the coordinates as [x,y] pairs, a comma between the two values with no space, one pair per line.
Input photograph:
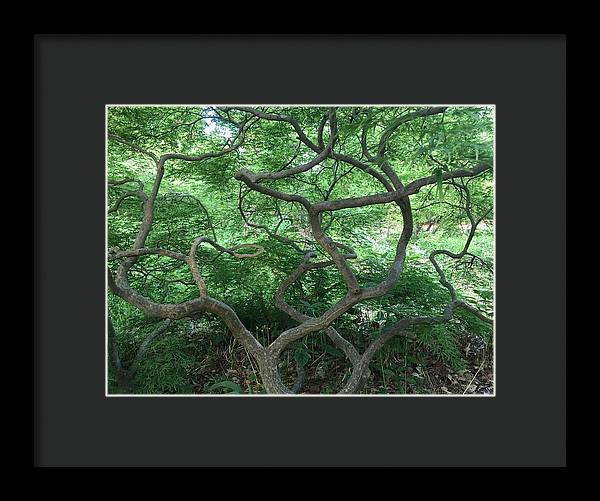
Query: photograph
[299,250]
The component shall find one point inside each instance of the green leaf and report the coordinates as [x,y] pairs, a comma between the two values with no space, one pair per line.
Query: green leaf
[301,356]
[234,387]
[334,351]
[439,176]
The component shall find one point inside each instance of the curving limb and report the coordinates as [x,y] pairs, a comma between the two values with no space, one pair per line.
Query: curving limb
[231,251]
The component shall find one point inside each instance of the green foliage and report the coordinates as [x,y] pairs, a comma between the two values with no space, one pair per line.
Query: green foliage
[230,386]
[438,173]
[439,339]
[301,356]
[201,199]
[164,369]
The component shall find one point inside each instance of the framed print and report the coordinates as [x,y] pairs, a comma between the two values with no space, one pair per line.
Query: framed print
[234,250]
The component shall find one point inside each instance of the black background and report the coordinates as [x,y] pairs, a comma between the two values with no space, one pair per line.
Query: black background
[524,425]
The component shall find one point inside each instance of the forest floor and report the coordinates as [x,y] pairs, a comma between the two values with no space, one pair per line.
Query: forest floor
[203,358]
[426,376]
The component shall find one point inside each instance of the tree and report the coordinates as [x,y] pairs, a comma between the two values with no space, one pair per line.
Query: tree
[322,164]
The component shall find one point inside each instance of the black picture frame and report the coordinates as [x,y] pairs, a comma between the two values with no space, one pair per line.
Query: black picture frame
[523,76]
